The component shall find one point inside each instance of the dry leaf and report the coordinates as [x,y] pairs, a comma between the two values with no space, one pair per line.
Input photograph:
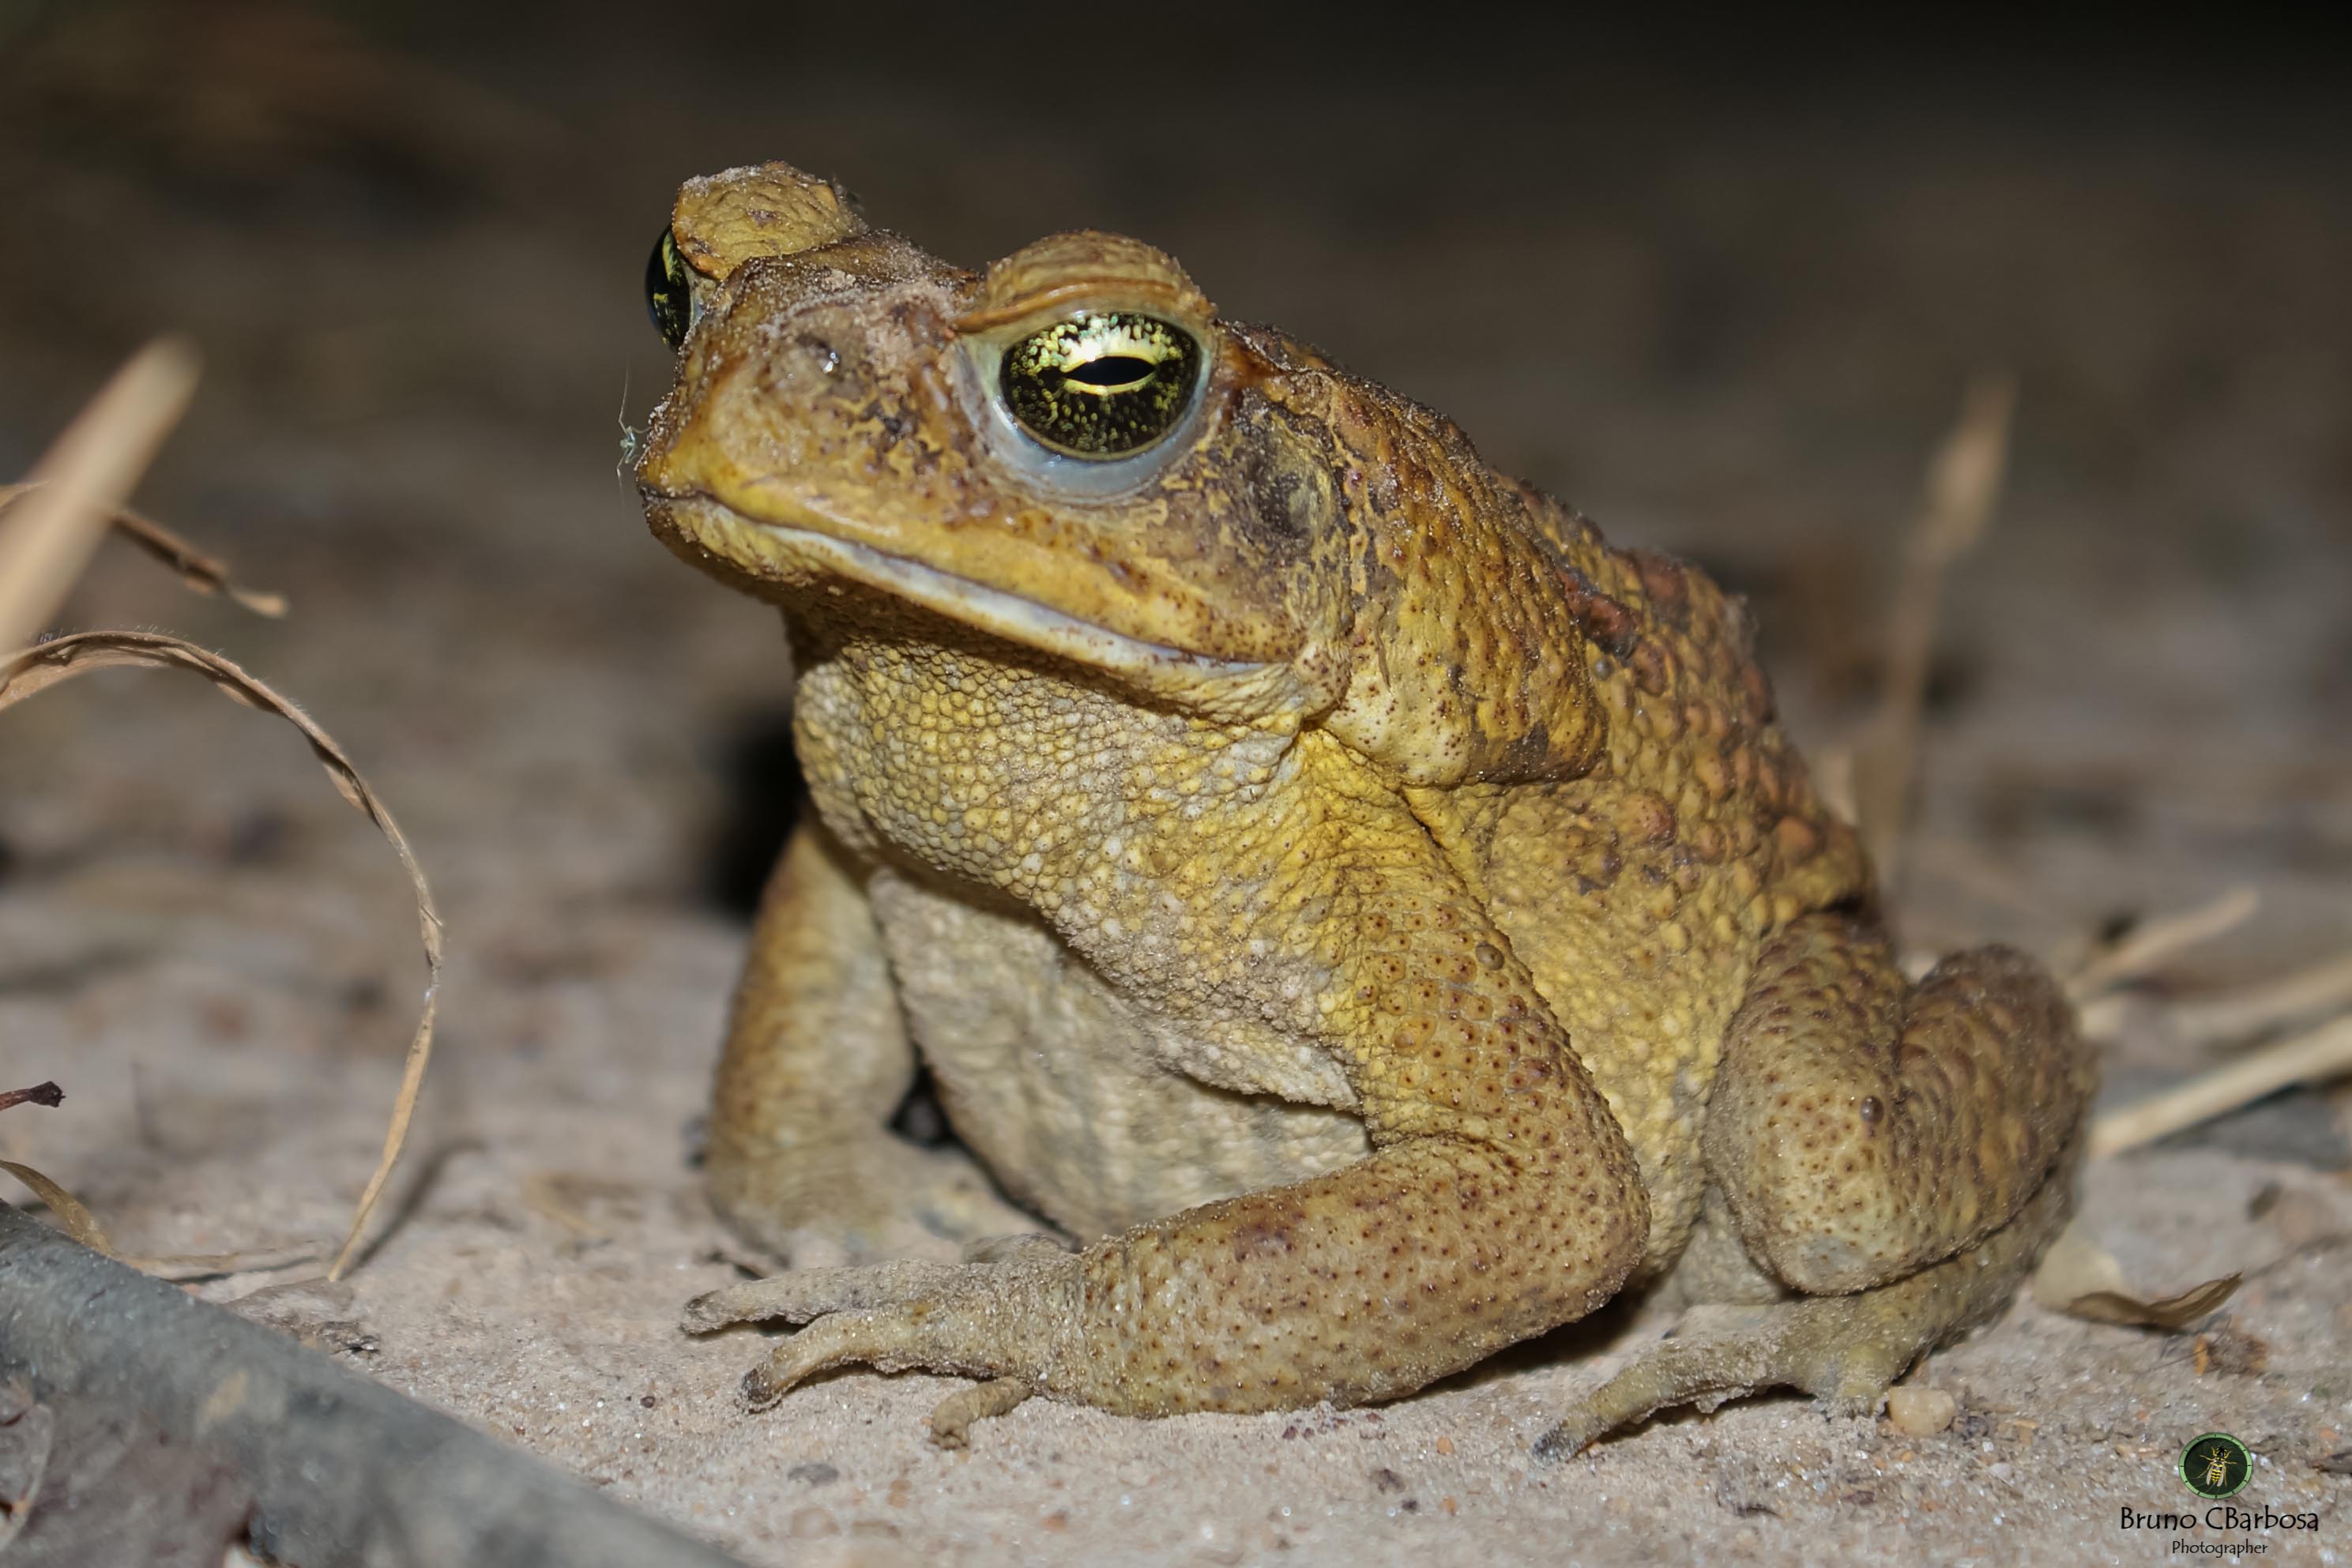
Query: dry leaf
[80,1223]
[2171,1314]
[36,669]
[2083,1279]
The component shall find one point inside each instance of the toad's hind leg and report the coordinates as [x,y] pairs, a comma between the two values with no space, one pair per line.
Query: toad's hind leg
[1844,1351]
[802,1162]
[1900,1155]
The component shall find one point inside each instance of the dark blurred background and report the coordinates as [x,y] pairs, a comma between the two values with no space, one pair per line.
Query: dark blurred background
[1720,286]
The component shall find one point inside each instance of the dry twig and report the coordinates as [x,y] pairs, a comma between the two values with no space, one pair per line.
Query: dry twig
[2324,988]
[82,479]
[2310,1058]
[198,572]
[47,1095]
[1964,480]
[2156,943]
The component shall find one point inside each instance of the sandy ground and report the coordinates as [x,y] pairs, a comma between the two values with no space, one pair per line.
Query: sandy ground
[1726,319]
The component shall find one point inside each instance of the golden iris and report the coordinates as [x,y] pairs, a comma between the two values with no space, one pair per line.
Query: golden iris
[669,293]
[1103,383]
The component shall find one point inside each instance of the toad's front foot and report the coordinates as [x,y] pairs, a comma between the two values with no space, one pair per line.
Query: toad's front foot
[1001,1320]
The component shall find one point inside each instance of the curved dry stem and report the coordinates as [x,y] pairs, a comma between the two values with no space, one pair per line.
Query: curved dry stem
[36,669]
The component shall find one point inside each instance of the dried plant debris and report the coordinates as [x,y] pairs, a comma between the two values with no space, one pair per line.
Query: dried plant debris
[80,1223]
[2307,995]
[2170,1314]
[2230,1351]
[185,1268]
[1963,483]
[2084,1280]
[47,1095]
[2139,955]
[50,663]
[83,1227]
[2312,1057]
[2144,947]
[48,527]
[83,479]
[199,573]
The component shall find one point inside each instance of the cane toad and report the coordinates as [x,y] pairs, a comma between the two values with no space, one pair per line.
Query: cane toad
[1372,917]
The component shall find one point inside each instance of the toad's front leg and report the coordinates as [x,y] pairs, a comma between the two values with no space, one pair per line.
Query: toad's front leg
[1499,1200]
[802,1162]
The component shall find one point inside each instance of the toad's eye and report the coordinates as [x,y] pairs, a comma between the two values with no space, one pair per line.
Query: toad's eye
[1101,383]
[670,294]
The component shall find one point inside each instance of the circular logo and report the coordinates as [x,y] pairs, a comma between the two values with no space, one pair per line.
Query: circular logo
[2216,1465]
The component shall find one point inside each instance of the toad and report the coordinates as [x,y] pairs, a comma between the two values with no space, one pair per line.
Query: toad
[1374,919]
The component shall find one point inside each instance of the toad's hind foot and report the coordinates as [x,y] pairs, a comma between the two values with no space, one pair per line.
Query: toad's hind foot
[1825,1345]
[1844,1351]
[952,1422]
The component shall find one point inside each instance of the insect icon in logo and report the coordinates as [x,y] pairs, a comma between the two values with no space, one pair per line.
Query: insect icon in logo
[2215,1465]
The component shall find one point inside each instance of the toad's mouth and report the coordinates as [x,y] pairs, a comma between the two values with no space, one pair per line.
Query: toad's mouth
[792,554]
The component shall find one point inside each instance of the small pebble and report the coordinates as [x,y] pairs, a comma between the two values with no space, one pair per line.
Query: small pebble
[1921,1412]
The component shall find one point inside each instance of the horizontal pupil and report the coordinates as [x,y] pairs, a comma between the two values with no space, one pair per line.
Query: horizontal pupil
[1112,371]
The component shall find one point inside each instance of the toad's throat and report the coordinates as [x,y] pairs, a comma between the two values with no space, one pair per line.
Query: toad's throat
[794,550]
